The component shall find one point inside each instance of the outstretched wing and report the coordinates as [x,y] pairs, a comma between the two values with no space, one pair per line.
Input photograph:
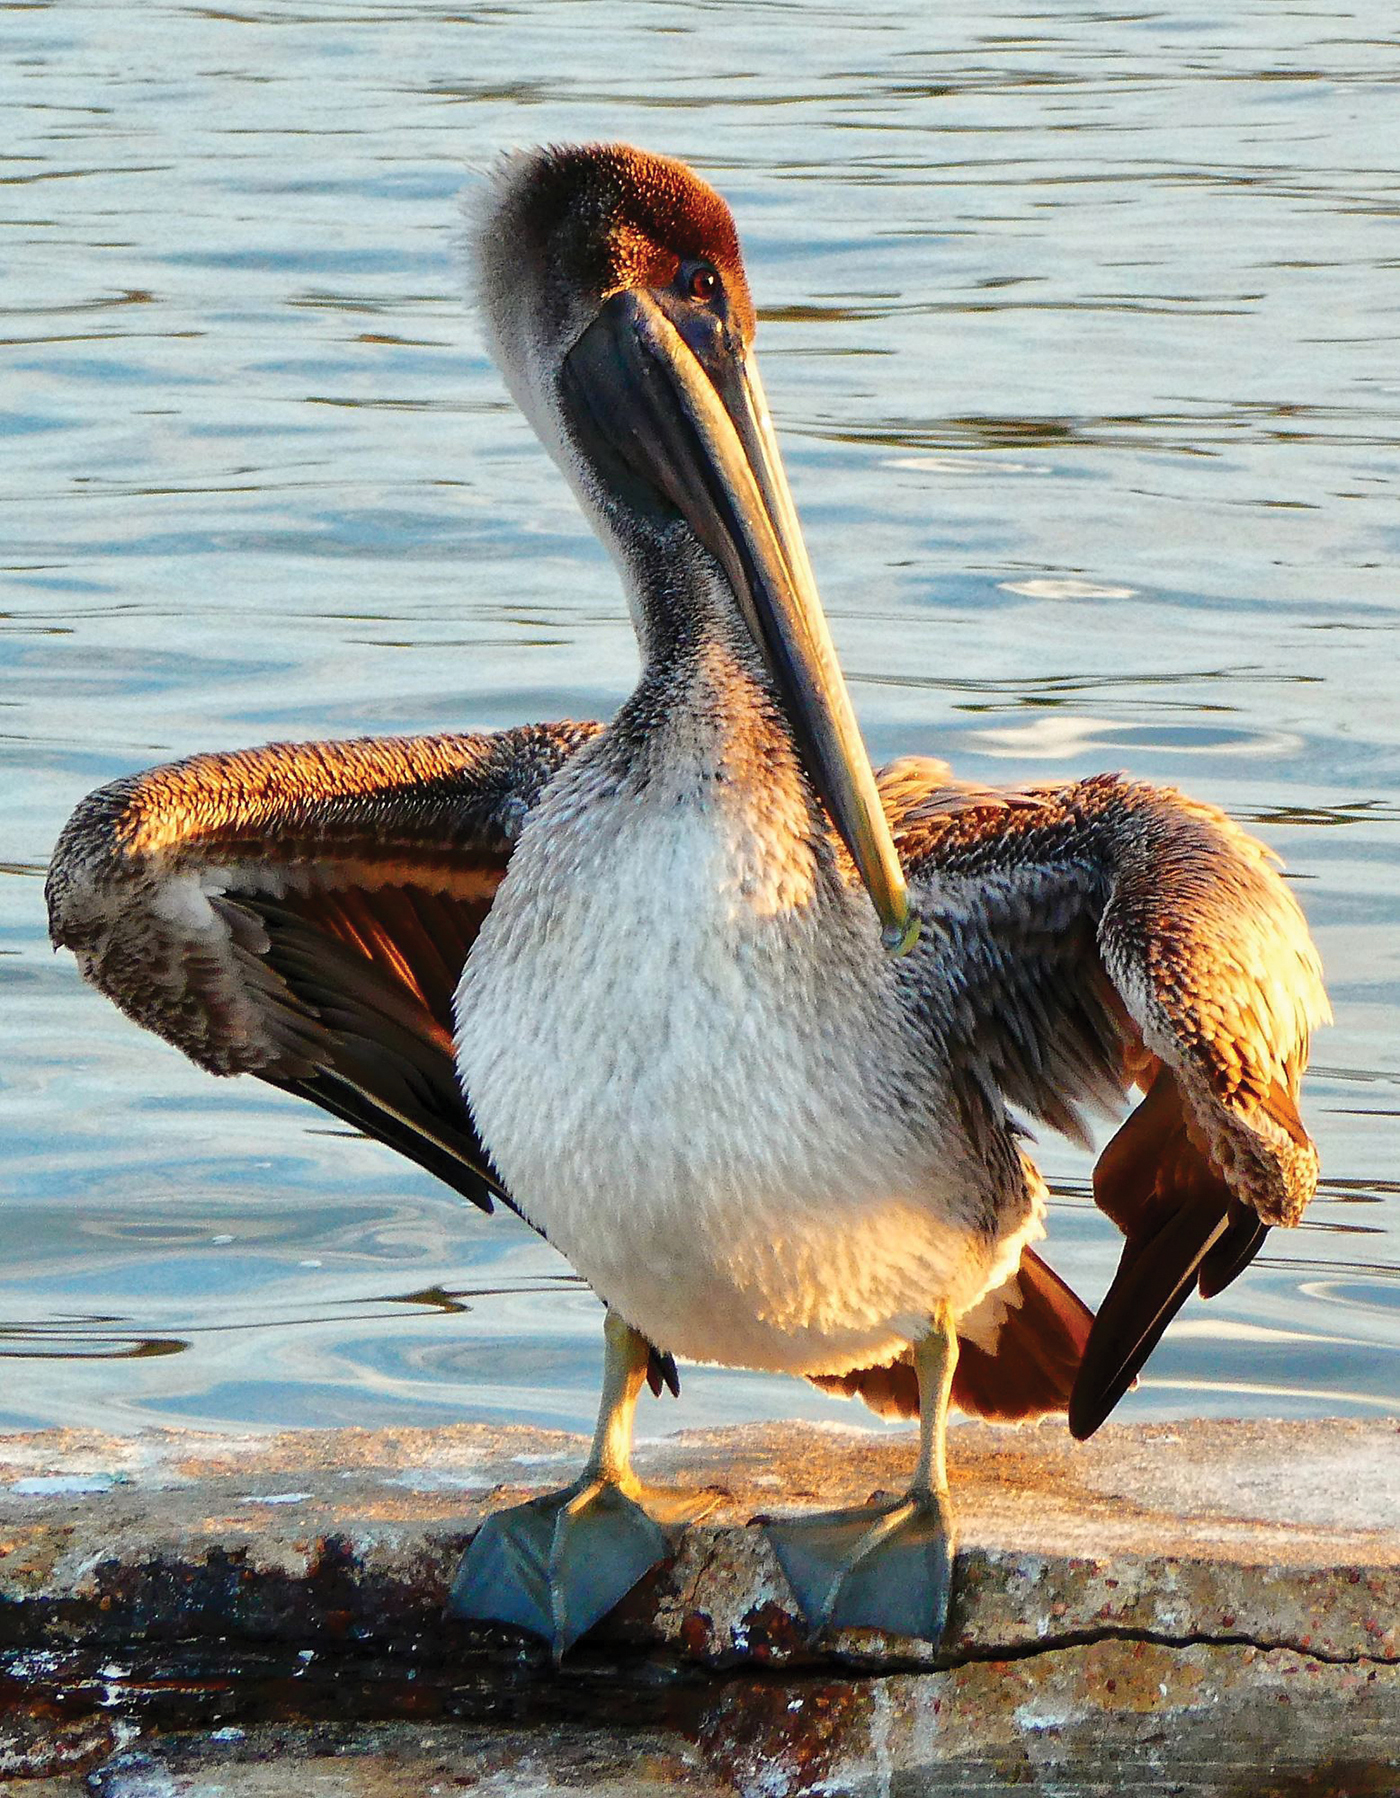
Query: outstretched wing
[302,912]
[1103,933]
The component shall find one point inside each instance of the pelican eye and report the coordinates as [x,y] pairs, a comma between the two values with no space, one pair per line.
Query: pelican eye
[699,281]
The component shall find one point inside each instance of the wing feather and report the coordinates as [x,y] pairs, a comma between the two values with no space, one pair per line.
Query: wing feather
[303,913]
[1102,933]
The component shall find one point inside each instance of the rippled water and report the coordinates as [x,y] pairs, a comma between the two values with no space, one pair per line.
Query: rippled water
[1080,329]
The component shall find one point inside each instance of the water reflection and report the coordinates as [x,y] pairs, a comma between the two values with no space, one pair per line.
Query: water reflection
[1080,332]
[86,1339]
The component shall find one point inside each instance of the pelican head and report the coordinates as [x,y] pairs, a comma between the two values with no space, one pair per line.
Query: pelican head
[617,308]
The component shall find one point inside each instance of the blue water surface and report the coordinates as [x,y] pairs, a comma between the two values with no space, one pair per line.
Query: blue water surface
[1080,328]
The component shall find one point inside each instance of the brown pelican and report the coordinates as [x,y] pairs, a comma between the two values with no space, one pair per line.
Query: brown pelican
[743,1029]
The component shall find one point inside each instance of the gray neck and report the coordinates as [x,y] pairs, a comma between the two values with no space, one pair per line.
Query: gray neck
[703,724]
[682,606]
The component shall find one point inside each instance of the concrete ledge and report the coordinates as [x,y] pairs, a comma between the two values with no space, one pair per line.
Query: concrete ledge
[1242,1579]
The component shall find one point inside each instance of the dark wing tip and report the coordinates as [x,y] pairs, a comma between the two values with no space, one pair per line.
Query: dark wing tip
[1234,1251]
[1183,1226]
[1163,1257]
[1153,1282]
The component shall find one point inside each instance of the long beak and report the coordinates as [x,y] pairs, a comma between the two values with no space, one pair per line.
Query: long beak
[639,396]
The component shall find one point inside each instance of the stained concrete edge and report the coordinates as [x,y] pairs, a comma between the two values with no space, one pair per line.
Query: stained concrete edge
[1280,1534]
[1200,1570]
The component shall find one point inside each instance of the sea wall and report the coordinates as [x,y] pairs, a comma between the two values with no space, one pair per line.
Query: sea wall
[1202,1608]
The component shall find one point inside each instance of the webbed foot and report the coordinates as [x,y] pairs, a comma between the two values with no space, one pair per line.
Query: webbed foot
[886,1566]
[557,1564]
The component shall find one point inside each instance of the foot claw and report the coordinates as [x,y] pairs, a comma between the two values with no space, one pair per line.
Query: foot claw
[886,1567]
[557,1564]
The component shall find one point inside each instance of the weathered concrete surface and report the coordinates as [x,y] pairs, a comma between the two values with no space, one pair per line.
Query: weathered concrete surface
[1273,1534]
[1226,1595]
[1198,1723]
[395,1760]
[439,1760]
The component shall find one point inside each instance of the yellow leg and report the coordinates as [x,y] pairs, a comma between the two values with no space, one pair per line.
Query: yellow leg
[935,1363]
[625,1356]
